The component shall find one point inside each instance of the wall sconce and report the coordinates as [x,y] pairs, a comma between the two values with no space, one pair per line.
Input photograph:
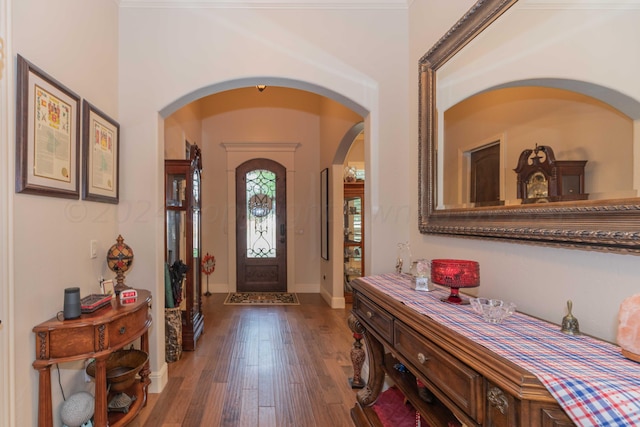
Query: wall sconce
[261,87]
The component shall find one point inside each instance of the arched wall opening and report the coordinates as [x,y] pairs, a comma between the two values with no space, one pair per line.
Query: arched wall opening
[329,283]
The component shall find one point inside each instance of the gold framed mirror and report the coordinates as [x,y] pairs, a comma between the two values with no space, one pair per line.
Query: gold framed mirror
[609,225]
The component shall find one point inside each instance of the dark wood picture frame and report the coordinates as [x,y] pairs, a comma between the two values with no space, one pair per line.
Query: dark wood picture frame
[324,214]
[47,135]
[100,155]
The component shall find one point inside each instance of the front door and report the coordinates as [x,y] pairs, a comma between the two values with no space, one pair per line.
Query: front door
[261,226]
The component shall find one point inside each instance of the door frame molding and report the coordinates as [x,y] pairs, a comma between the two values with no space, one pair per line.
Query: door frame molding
[7,153]
[238,153]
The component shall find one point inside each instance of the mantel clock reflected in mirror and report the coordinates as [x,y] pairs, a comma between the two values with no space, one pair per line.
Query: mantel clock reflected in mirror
[529,113]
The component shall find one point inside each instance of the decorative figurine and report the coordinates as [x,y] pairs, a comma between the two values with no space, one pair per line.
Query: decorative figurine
[569,323]
[208,267]
[119,260]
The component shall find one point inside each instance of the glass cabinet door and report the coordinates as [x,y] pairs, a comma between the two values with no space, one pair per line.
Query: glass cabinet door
[353,234]
[176,189]
[176,236]
[353,219]
[196,236]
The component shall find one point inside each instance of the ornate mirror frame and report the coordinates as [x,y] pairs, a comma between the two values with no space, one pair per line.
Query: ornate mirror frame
[606,225]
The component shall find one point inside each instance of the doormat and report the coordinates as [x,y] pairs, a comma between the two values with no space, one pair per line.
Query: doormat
[261,298]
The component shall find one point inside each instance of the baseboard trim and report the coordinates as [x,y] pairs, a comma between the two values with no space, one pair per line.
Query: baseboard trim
[333,302]
[159,379]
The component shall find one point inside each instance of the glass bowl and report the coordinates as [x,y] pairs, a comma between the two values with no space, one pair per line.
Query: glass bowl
[492,310]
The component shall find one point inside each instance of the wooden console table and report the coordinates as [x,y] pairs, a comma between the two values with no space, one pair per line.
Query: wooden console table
[94,335]
[471,384]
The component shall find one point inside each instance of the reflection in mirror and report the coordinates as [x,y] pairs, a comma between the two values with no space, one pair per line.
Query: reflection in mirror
[511,76]
[512,120]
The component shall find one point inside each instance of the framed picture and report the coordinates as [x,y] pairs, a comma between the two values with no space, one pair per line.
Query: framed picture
[47,134]
[100,154]
[324,214]
[108,288]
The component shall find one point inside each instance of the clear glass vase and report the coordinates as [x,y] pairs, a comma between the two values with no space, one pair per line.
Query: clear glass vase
[403,258]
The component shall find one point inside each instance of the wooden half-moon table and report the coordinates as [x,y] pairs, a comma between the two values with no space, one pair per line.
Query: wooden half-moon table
[95,335]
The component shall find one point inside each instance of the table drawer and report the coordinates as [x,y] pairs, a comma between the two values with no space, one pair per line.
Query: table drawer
[376,316]
[460,383]
[121,330]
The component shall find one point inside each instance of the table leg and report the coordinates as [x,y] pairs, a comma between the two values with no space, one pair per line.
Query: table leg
[100,414]
[45,407]
[357,353]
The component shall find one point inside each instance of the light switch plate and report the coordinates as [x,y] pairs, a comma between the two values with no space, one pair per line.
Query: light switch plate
[93,249]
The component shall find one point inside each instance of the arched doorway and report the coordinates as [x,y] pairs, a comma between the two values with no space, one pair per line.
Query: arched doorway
[240,122]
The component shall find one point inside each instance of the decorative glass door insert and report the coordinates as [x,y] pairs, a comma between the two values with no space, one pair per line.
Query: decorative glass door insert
[261,218]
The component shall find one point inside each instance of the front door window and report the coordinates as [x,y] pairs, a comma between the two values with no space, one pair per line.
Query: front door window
[261,218]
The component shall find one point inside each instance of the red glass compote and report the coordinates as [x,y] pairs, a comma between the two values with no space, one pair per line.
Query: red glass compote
[455,274]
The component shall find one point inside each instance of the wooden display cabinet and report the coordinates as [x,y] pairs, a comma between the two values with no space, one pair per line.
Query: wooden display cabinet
[353,234]
[183,237]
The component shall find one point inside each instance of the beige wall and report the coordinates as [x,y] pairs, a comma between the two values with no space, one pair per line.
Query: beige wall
[77,45]
[183,125]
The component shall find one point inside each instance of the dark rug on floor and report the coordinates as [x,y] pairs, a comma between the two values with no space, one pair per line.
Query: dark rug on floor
[262,298]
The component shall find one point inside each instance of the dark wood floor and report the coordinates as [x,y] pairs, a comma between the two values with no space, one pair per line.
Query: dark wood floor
[261,366]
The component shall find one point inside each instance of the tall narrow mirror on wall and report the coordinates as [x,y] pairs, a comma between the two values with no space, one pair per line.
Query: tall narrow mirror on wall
[526,133]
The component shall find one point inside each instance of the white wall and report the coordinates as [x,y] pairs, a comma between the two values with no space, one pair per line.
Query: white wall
[539,280]
[51,236]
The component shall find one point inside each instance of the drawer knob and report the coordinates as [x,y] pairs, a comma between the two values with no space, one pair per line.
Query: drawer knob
[369,314]
[122,330]
[422,358]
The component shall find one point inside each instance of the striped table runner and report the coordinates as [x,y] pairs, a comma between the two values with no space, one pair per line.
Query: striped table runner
[590,379]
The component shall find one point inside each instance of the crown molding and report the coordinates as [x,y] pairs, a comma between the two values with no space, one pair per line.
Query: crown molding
[268,4]
[580,4]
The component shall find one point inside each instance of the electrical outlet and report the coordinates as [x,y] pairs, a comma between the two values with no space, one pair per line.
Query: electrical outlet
[93,249]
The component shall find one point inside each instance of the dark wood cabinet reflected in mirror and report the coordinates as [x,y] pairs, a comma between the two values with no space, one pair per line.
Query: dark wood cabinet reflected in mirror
[479,54]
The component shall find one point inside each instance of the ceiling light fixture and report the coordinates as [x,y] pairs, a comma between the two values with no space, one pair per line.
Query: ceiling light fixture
[261,87]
